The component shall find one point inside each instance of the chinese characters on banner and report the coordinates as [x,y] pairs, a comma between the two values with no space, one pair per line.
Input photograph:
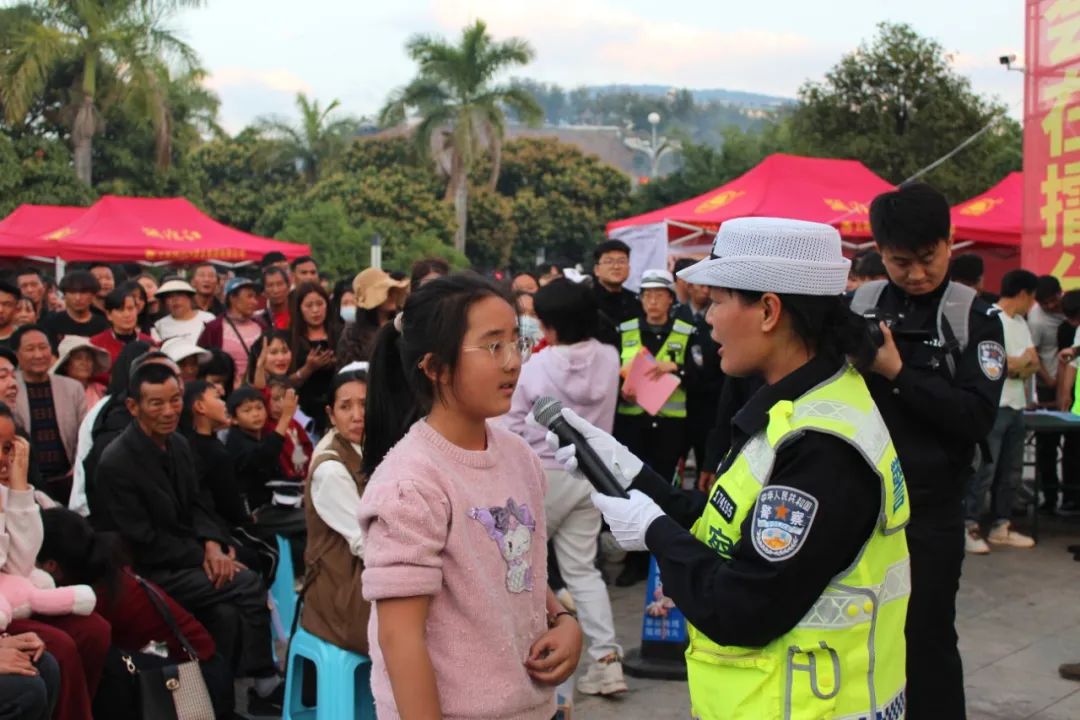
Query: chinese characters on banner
[1051,241]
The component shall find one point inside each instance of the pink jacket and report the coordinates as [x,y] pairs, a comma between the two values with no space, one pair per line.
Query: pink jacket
[584,376]
[468,529]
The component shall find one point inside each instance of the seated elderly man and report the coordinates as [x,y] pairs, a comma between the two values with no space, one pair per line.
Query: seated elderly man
[148,491]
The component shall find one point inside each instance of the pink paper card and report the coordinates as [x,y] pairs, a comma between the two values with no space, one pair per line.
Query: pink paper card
[650,394]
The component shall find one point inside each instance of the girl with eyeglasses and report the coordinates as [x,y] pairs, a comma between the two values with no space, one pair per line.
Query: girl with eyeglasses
[463,623]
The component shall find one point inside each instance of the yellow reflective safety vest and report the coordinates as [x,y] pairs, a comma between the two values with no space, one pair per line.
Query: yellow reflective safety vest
[845,658]
[673,349]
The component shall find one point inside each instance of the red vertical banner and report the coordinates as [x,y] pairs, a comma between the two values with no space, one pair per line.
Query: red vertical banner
[1052,140]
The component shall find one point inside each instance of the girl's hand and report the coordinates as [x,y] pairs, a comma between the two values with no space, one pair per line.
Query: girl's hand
[26,642]
[16,662]
[20,464]
[289,403]
[554,657]
[261,362]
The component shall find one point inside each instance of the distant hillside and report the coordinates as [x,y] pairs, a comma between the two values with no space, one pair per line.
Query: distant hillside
[700,116]
[728,97]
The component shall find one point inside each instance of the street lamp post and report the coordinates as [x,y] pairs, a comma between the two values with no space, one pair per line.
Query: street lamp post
[654,149]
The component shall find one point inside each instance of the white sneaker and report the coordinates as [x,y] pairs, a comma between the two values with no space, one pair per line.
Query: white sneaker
[604,677]
[1003,534]
[567,600]
[973,541]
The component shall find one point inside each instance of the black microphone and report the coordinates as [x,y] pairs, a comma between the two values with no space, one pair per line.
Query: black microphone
[548,412]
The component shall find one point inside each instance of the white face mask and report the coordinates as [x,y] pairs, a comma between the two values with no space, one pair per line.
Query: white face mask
[530,327]
[348,313]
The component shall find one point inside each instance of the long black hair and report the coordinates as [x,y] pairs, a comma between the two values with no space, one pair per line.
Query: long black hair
[826,325]
[85,557]
[434,322]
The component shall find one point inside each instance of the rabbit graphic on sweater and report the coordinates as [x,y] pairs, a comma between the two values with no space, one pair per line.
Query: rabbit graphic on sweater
[511,527]
[22,597]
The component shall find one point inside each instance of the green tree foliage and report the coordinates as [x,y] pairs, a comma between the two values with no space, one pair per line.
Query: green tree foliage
[128,38]
[897,104]
[37,170]
[559,200]
[425,246]
[240,178]
[316,140]
[340,247]
[455,97]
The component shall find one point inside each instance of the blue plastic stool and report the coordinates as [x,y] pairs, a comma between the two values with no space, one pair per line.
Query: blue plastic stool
[343,683]
[283,590]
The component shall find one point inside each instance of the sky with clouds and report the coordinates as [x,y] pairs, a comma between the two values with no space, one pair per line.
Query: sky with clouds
[261,52]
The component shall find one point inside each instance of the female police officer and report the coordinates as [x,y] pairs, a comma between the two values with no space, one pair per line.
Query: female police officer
[793,569]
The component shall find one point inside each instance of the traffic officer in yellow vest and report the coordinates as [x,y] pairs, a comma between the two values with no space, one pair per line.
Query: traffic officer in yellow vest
[792,570]
[659,440]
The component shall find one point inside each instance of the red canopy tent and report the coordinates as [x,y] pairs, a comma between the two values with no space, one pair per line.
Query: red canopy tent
[152,230]
[22,230]
[836,192]
[990,225]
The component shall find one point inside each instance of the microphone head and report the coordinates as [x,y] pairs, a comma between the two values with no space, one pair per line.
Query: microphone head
[546,410]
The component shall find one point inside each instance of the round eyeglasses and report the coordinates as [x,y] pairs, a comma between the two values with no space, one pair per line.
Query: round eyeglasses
[503,351]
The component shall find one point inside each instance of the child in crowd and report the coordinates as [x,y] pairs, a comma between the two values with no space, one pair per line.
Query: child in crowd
[205,414]
[220,370]
[256,446]
[334,606]
[453,518]
[296,450]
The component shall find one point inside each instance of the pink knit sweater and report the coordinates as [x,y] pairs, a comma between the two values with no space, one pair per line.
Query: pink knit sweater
[468,529]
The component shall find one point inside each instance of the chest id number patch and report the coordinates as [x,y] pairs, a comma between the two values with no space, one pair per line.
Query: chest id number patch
[992,360]
[723,503]
[782,520]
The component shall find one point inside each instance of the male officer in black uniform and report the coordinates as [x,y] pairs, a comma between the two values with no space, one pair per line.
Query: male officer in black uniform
[938,395]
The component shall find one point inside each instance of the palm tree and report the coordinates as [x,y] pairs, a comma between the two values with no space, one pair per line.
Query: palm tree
[127,37]
[317,139]
[453,95]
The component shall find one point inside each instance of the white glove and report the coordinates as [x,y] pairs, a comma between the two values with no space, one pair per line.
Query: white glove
[630,518]
[622,463]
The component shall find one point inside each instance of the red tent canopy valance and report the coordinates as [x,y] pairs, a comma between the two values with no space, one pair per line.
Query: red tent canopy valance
[995,217]
[837,192]
[22,230]
[123,229]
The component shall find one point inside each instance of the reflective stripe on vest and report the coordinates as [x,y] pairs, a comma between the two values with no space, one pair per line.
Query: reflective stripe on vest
[845,658]
[674,347]
[1076,395]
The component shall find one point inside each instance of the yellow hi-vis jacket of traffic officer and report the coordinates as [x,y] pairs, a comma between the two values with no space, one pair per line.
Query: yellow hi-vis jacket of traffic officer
[845,658]
[674,349]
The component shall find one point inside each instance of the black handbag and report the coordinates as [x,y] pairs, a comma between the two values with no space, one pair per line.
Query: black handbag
[169,691]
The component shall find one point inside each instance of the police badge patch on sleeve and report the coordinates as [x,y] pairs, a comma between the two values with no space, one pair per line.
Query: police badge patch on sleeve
[782,520]
[992,359]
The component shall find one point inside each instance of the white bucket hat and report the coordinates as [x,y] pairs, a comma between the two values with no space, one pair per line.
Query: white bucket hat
[777,255]
[71,343]
[175,286]
[179,348]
